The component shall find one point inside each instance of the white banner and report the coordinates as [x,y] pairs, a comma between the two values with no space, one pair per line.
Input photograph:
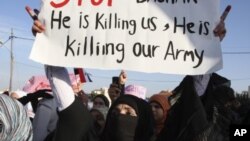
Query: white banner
[166,36]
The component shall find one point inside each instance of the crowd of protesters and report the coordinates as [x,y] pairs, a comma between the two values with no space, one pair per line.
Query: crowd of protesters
[201,107]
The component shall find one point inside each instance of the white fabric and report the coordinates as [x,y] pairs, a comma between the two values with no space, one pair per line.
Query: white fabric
[201,82]
[61,85]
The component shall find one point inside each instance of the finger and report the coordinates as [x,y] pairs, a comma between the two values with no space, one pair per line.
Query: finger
[219,27]
[38,24]
[225,13]
[35,29]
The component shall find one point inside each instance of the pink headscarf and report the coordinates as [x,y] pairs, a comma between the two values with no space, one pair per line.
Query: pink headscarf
[40,82]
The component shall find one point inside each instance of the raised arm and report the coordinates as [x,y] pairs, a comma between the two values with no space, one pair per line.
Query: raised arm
[61,85]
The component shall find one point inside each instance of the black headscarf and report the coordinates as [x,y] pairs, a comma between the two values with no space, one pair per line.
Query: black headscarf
[144,121]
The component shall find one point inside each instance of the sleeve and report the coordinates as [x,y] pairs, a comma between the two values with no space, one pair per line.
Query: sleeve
[200,83]
[24,100]
[75,123]
[61,85]
[40,122]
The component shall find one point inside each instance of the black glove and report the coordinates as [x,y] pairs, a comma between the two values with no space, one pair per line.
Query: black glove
[34,96]
[46,93]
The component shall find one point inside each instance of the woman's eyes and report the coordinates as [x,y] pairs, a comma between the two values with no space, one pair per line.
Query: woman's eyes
[125,111]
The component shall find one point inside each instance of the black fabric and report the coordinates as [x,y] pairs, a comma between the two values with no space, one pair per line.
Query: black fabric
[122,87]
[223,95]
[209,98]
[217,95]
[186,118]
[144,127]
[33,98]
[75,124]
[246,120]
[124,127]
[193,117]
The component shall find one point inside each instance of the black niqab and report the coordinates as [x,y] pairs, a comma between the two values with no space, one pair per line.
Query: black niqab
[143,130]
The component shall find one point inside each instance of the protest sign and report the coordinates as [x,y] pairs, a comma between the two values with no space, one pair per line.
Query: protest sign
[166,36]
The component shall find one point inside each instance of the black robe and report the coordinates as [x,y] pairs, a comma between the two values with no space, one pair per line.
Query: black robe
[190,117]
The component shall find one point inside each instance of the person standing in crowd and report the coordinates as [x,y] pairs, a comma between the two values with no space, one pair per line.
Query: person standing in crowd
[100,101]
[45,119]
[74,122]
[160,106]
[198,116]
[14,121]
[99,114]
[129,119]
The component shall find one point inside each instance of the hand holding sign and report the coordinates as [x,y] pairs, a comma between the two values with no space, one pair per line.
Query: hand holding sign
[220,29]
[37,25]
[31,13]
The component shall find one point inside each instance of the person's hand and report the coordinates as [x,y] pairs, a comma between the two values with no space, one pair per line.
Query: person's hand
[122,77]
[37,27]
[220,30]
[114,87]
